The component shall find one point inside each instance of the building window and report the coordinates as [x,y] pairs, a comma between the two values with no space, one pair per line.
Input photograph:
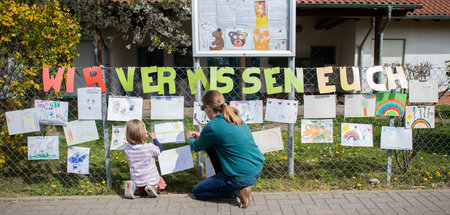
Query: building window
[323,55]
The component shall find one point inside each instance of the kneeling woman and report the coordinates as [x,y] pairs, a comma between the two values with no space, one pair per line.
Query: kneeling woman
[230,145]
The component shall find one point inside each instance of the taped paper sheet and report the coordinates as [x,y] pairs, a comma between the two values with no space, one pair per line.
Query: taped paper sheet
[175,160]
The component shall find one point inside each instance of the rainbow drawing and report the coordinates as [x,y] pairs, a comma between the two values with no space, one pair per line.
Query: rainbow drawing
[420,123]
[390,104]
[351,136]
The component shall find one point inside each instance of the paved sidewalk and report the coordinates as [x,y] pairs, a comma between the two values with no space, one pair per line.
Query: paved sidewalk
[333,202]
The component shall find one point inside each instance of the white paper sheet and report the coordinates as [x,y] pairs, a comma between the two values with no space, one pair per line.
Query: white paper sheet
[396,138]
[249,111]
[279,110]
[43,147]
[124,108]
[22,121]
[269,140]
[52,112]
[78,160]
[175,160]
[317,131]
[167,107]
[320,106]
[360,105]
[90,103]
[419,117]
[356,135]
[226,14]
[199,116]
[118,137]
[423,91]
[80,131]
[170,132]
[209,167]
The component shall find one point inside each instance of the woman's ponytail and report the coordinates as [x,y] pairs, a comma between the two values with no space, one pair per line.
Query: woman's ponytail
[231,115]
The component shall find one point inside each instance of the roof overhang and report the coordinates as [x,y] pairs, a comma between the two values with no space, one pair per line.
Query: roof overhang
[354,10]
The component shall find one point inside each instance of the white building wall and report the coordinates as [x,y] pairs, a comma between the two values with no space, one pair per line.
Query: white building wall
[425,40]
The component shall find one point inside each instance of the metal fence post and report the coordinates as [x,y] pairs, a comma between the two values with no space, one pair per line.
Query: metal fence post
[291,96]
[106,132]
[389,164]
[198,98]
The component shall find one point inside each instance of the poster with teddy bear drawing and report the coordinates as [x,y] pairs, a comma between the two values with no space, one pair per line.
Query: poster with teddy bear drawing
[238,39]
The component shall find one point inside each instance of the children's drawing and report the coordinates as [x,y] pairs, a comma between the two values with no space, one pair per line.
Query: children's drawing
[390,104]
[249,111]
[360,105]
[90,103]
[317,131]
[320,106]
[78,160]
[396,138]
[199,117]
[22,121]
[278,110]
[419,117]
[124,108]
[80,131]
[209,32]
[356,135]
[118,138]
[268,140]
[167,107]
[261,39]
[52,112]
[209,167]
[43,147]
[218,42]
[169,132]
[278,45]
[423,91]
[175,160]
[238,39]
[260,12]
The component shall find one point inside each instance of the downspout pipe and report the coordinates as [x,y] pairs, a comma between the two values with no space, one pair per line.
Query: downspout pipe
[361,47]
[380,31]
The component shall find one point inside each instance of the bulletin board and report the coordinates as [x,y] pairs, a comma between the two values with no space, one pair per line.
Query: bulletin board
[237,28]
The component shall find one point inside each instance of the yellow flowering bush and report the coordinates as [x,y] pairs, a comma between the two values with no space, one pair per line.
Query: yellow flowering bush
[33,36]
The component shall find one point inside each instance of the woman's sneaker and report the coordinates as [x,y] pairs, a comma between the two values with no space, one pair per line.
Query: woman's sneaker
[151,191]
[130,187]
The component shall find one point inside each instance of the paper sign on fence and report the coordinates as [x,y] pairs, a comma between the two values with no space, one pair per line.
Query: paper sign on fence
[390,104]
[278,110]
[249,111]
[356,135]
[118,138]
[268,140]
[423,91]
[80,131]
[43,147]
[52,112]
[199,117]
[22,121]
[317,131]
[396,138]
[360,105]
[209,167]
[320,106]
[419,117]
[167,107]
[124,108]
[175,160]
[170,132]
[78,160]
[90,103]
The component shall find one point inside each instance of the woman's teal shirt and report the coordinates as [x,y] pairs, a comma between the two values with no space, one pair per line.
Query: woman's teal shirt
[237,151]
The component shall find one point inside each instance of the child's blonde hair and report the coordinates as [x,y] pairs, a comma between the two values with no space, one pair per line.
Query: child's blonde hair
[136,132]
[215,100]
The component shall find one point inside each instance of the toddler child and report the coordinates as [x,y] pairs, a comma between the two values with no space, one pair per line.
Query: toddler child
[145,177]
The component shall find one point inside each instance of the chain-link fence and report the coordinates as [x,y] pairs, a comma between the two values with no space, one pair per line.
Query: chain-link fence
[316,165]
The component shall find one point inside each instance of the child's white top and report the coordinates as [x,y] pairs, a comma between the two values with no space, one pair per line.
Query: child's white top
[143,169]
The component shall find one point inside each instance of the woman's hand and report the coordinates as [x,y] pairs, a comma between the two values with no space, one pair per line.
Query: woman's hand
[151,134]
[193,134]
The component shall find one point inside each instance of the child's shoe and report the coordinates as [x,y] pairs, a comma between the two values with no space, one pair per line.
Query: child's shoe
[130,187]
[151,191]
